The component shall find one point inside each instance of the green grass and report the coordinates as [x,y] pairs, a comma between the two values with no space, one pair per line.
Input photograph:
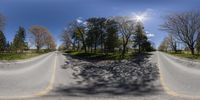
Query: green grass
[17,56]
[186,55]
[100,56]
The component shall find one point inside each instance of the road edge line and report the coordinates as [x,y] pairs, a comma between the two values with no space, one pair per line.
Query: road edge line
[40,93]
[167,89]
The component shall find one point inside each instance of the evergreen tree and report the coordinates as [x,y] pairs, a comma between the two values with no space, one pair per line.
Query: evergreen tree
[141,40]
[19,40]
[139,37]
[96,34]
[2,41]
[111,40]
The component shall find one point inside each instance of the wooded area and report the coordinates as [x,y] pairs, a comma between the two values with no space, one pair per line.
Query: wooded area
[38,36]
[106,35]
[183,29]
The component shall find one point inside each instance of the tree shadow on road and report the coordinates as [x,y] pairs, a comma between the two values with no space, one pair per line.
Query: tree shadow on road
[136,77]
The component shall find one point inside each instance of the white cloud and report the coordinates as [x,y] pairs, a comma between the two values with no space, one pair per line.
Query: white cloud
[79,21]
[85,23]
[150,35]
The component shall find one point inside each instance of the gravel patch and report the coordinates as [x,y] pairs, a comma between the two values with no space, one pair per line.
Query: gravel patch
[136,76]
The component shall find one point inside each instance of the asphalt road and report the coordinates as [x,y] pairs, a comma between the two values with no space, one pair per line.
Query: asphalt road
[35,78]
[39,78]
[179,76]
[29,78]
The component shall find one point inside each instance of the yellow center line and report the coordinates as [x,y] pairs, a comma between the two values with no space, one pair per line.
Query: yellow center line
[40,93]
[50,86]
[167,89]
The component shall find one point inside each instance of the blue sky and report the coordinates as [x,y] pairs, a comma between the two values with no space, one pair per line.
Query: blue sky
[56,14]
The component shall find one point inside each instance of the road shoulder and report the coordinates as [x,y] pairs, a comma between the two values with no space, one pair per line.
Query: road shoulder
[185,61]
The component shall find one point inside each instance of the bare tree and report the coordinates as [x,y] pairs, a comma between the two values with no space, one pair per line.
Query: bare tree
[66,38]
[78,29]
[172,42]
[164,44]
[126,30]
[39,35]
[184,26]
[50,42]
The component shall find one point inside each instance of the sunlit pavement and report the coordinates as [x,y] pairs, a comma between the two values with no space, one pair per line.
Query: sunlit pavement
[39,81]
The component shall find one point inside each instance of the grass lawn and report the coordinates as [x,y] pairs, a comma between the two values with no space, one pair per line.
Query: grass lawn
[100,56]
[185,55]
[17,56]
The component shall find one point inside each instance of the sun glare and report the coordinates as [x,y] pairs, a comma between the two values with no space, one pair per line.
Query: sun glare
[139,18]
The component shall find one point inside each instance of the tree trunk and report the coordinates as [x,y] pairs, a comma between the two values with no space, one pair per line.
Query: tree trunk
[124,50]
[73,48]
[38,48]
[192,50]
[83,42]
[84,46]
[95,47]
[78,46]
[102,43]
[88,48]
[139,48]
[175,50]
[91,49]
